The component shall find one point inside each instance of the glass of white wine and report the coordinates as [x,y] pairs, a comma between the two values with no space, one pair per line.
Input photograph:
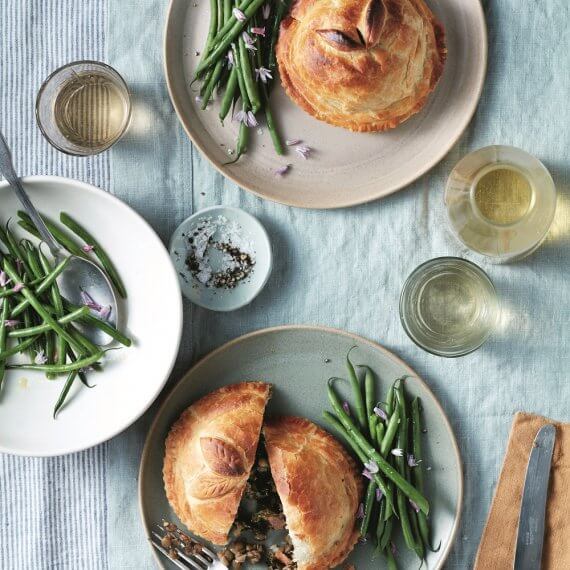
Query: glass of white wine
[83,108]
[500,202]
[449,306]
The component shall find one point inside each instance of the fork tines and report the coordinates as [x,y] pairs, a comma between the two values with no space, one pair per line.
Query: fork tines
[183,551]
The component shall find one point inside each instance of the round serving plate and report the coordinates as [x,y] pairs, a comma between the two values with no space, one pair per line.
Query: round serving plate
[132,377]
[298,360]
[344,168]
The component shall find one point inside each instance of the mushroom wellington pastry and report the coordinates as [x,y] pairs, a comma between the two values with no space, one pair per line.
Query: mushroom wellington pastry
[210,451]
[320,490]
[365,65]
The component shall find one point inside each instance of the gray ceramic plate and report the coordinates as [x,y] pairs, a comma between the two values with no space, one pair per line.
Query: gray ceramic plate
[346,168]
[295,359]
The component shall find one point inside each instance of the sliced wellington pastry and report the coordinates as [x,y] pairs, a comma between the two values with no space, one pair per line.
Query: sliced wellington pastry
[365,65]
[320,489]
[209,454]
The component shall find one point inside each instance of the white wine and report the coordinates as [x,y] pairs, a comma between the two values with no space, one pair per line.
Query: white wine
[500,202]
[90,111]
[449,306]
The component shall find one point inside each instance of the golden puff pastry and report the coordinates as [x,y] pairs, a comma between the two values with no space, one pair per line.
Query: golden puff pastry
[365,65]
[320,489]
[210,451]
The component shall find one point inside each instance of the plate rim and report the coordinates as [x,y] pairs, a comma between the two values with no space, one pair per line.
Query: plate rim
[85,186]
[168,74]
[316,328]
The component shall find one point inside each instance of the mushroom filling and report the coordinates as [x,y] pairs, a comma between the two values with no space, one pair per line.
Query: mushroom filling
[259,534]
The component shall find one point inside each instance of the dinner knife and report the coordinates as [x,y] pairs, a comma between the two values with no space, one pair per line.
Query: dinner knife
[533,508]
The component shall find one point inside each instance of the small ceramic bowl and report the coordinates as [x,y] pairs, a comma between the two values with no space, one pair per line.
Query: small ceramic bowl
[252,239]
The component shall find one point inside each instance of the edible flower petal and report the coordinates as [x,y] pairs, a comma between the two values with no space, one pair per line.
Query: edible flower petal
[105,312]
[88,248]
[414,506]
[412,461]
[360,512]
[88,301]
[346,407]
[381,413]
[40,358]
[239,15]
[4,279]
[292,142]
[18,287]
[230,56]
[397,452]
[282,170]
[263,73]
[240,117]
[371,466]
[379,494]
[258,31]
[251,121]
[367,474]
[248,40]
[10,323]
[266,10]
[303,151]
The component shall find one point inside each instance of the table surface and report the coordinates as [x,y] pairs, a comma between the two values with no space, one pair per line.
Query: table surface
[338,268]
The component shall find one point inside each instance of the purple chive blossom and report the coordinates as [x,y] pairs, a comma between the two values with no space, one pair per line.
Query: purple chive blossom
[266,10]
[367,474]
[4,279]
[40,358]
[412,461]
[263,73]
[379,494]
[198,99]
[281,171]
[239,15]
[397,452]
[88,301]
[105,312]
[292,142]
[240,116]
[230,56]
[346,407]
[371,467]
[414,506]
[258,31]
[360,512]
[18,287]
[248,40]
[303,151]
[10,323]
[88,248]
[393,549]
[19,264]
[381,413]
[251,120]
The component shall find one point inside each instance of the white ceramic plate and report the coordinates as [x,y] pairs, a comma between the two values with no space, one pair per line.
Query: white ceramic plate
[346,168]
[298,360]
[132,377]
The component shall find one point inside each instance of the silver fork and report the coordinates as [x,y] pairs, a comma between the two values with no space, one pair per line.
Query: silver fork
[205,559]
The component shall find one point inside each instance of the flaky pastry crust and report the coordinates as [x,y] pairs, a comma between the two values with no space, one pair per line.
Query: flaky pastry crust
[320,489]
[365,65]
[210,451]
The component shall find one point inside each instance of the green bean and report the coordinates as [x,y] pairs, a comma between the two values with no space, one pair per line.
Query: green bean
[369,399]
[241,147]
[228,34]
[4,355]
[229,94]
[65,390]
[368,508]
[44,286]
[3,317]
[380,432]
[211,84]
[212,30]
[17,253]
[61,236]
[380,526]
[44,327]
[391,431]
[390,398]
[11,293]
[227,11]
[98,250]
[337,425]
[391,565]
[38,307]
[57,369]
[81,372]
[373,423]
[360,410]
[405,486]
[250,84]
[273,132]
[282,6]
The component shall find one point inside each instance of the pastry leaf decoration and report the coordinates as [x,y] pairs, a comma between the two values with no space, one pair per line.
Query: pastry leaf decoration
[339,40]
[222,457]
[211,486]
[375,15]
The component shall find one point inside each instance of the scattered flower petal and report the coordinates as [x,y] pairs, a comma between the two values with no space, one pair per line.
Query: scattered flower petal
[393,549]
[40,358]
[397,452]
[105,312]
[414,506]
[239,15]
[304,151]
[282,170]
[266,10]
[258,31]
[292,142]
[263,73]
[230,57]
[362,540]
[248,40]
[360,512]
[4,279]
[10,323]
[428,468]
[88,301]
[198,99]
[381,413]
[18,287]
[251,121]
[367,474]
[372,466]
[379,494]
[87,248]
[412,461]
[346,407]
[240,117]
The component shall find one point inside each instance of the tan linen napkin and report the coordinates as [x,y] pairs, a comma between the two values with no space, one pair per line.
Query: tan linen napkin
[497,548]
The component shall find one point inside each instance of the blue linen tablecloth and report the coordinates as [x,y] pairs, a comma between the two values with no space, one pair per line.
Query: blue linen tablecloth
[338,268]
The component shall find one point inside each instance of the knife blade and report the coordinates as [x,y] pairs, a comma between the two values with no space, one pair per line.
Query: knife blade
[533,507]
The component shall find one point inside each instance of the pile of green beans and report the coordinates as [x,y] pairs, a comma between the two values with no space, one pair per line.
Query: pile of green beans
[386,439]
[228,67]
[36,321]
